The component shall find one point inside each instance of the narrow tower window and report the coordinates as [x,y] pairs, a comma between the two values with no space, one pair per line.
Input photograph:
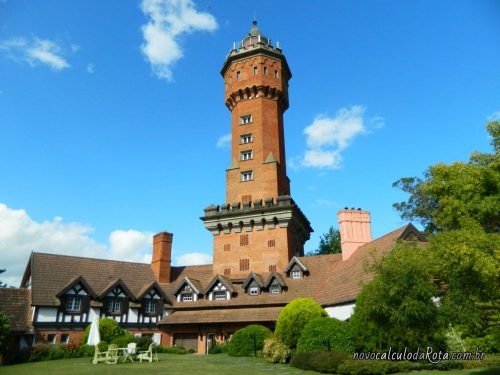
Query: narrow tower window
[246,138]
[247,176]
[247,119]
[265,70]
[246,155]
[255,70]
[275,74]
[244,264]
[238,75]
[244,240]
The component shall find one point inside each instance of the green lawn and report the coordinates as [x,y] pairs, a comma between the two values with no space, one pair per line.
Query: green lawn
[173,364]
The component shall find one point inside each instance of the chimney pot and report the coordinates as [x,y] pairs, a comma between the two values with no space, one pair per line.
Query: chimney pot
[162,253]
[355,230]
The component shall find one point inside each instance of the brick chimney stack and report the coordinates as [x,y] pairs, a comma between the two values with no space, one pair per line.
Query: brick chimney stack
[162,250]
[355,230]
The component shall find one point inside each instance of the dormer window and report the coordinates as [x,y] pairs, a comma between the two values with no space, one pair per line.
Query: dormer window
[253,290]
[150,307]
[220,296]
[296,274]
[115,305]
[188,297]
[73,304]
[275,289]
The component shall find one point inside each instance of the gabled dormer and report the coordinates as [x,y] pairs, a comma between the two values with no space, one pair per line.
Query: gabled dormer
[275,283]
[410,233]
[296,269]
[219,289]
[253,284]
[188,290]
[75,296]
[152,299]
[116,297]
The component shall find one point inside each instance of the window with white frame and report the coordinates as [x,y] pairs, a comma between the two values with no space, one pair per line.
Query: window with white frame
[246,138]
[188,297]
[275,289]
[51,338]
[64,338]
[150,306]
[246,155]
[253,290]
[247,176]
[220,295]
[247,119]
[73,304]
[296,274]
[115,305]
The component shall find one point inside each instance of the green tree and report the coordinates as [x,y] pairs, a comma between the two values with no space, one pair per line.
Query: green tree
[454,196]
[248,340]
[109,329]
[4,330]
[294,317]
[329,243]
[325,334]
[396,308]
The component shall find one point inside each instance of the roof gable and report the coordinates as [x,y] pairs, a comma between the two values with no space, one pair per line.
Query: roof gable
[75,281]
[253,277]
[147,288]
[275,276]
[117,283]
[194,284]
[295,261]
[219,279]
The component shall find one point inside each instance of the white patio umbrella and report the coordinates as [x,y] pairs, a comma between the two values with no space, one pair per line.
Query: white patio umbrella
[94,337]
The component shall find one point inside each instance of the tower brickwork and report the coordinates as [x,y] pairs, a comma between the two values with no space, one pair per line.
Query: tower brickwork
[259,228]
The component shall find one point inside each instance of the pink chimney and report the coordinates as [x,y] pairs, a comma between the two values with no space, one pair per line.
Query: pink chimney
[355,230]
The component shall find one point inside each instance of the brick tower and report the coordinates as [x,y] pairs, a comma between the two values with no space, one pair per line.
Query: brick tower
[259,228]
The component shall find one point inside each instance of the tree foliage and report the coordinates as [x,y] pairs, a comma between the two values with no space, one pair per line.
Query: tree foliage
[329,243]
[454,196]
[293,318]
[325,334]
[4,330]
[248,340]
[109,329]
[396,308]
[2,285]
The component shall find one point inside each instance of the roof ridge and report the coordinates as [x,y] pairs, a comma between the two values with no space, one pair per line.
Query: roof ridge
[90,258]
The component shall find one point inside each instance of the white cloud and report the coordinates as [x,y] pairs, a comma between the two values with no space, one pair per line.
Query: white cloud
[167,21]
[224,141]
[193,259]
[90,68]
[35,51]
[20,235]
[495,116]
[327,137]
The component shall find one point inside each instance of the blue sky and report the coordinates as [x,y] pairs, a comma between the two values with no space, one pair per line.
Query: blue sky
[112,117]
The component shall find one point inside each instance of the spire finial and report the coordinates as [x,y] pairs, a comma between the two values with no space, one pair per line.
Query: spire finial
[254,19]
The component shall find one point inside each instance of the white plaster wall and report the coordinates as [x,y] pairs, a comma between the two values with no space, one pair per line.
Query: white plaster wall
[340,312]
[47,314]
[132,315]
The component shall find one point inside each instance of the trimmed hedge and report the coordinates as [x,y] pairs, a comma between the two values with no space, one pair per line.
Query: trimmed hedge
[275,351]
[109,329]
[321,361]
[293,318]
[325,334]
[248,340]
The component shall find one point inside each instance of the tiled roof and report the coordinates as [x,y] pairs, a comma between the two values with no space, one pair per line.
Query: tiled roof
[51,272]
[250,315]
[329,280]
[16,305]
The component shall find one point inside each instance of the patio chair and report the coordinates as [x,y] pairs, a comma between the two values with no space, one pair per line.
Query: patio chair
[130,352]
[112,354]
[148,355]
[99,356]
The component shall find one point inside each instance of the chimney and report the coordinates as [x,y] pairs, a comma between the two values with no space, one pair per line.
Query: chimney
[162,250]
[355,230]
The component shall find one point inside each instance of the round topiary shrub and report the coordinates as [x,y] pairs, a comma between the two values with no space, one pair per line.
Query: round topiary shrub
[109,329]
[325,334]
[294,317]
[247,341]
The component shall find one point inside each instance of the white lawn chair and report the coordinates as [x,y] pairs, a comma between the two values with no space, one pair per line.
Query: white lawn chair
[131,352]
[148,355]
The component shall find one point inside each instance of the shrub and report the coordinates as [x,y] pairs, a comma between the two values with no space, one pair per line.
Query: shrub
[143,342]
[109,329]
[275,351]
[321,361]
[218,348]
[487,344]
[351,367]
[172,350]
[294,317]
[489,361]
[453,340]
[123,340]
[4,330]
[325,334]
[248,340]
